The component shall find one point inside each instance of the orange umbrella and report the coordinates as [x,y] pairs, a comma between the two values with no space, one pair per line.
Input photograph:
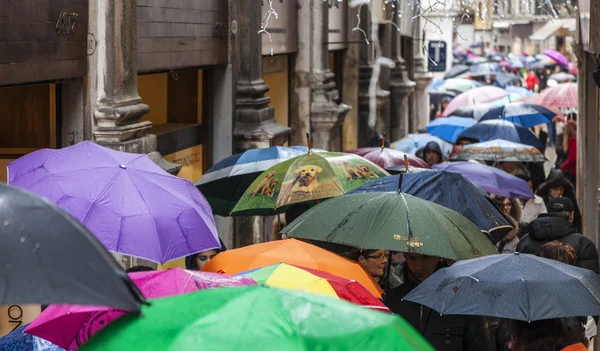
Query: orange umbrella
[294,252]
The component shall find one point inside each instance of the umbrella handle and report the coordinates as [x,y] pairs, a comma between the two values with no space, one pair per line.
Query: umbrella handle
[400,182]
[383,141]
[308,142]
[406,163]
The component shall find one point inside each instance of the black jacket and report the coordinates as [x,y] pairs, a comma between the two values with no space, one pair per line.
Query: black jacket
[444,332]
[547,228]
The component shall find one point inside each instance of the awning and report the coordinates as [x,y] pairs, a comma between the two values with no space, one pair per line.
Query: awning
[551,27]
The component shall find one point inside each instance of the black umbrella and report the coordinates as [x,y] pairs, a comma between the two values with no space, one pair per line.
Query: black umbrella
[517,286]
[456,71]
[47,257]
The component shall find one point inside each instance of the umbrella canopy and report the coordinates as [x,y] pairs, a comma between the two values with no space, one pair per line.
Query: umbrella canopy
[561,96]
[475,96]
[459,85]
[515,63]
[448,189]
[386,157]
[557,57]
[48,257]
[413,142]
[309,177]
[536,65]
[517,286]
[392,221]
[563,77]
[70,326]
[130,204]
[18,340]
[436,98]
[287,276]
[505,79]
[474,59]
[501,129]
[456,71]
[257,318]
[521,91]
[225,182]
[435,85]
[527,115]
[473,111]
[292,252]
[491,179]
[499,150]
[450,127]
[485,69]
[573,69]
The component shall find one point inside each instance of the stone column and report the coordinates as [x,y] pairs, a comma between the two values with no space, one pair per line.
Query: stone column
[351,66]
[115,104]
[422,79]
[254,124]
[314,96]
[400,88]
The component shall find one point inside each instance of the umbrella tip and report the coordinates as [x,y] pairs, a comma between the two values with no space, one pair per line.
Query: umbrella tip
[123,166]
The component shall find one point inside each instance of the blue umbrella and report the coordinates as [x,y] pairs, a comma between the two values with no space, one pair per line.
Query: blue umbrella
[527,115]
[517,286]
[448,189]
[485,69]
[448,128]
[435,85]
[18,340]
[505,79]
[456,71]
[515,64]
[501,129]
[225,182]
[521,91]
[413,142]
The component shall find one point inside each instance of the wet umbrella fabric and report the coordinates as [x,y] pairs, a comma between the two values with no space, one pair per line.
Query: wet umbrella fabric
[257,318]
[448,189]
[129,203]
[485,69]
[412,142]
[499,150]
[456,71]
[474,97]
[501,129]
[70,326]
[18,340]
[449,128]
[557,57]
[563,77]
[225,182]
[386,157]
[561,96]
[491,179]
[527,115]
[47,257]
[459,85]
[473,111]
[392,221]
[514,286]
[522,91]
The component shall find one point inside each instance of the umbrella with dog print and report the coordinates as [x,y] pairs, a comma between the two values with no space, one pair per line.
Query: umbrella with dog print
[309,177]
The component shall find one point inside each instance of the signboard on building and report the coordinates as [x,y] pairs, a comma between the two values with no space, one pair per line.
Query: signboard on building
[177,34]
[338,25]
[43,40]
[437,56]
[283,29]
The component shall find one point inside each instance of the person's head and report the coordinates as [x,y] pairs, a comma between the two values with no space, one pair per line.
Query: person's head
[397,258]
[508,167]
[140,269]
[561,207]
[465,141]
[433,153]
[505,204]
[198,261]
[518,83]
[422,266]
[526,178]
[559,251]
[373,261]
[556,191]
[547,334]
[445,103]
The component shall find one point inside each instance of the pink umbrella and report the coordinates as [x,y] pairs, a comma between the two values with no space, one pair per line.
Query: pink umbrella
[561,96]
[475,96]
[71,326]
[386,157]
[557,57]
[573,69]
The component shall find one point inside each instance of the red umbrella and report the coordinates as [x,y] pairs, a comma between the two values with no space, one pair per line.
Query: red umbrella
[386,157]
[561,96]
[475,96]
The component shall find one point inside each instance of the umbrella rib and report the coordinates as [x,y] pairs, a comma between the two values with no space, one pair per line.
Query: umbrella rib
[409,227]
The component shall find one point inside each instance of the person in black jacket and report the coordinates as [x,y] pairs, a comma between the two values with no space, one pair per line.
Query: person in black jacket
[557,185]
[443,332]
[557,224]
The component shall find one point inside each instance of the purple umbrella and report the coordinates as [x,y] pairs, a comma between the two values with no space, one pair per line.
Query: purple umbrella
[557,56]
[129,203]
[492,180]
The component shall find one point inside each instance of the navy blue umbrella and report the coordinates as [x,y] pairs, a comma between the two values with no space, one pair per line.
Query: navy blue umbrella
[515,286]
[527,115]
[18,340]
[501,129]
[450,190]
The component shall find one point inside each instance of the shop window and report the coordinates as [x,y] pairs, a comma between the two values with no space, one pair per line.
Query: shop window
[276,76]
[177,115]
[28,118]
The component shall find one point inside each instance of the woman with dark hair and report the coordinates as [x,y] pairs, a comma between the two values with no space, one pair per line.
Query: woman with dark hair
[373,261]
[559,251]
[196,261]
[512,209]
[543,335]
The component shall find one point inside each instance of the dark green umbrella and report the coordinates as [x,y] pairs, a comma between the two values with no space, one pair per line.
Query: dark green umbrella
[392,221]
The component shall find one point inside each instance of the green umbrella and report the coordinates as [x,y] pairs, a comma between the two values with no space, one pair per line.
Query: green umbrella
[392,221]
[306,178]
[256,318]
